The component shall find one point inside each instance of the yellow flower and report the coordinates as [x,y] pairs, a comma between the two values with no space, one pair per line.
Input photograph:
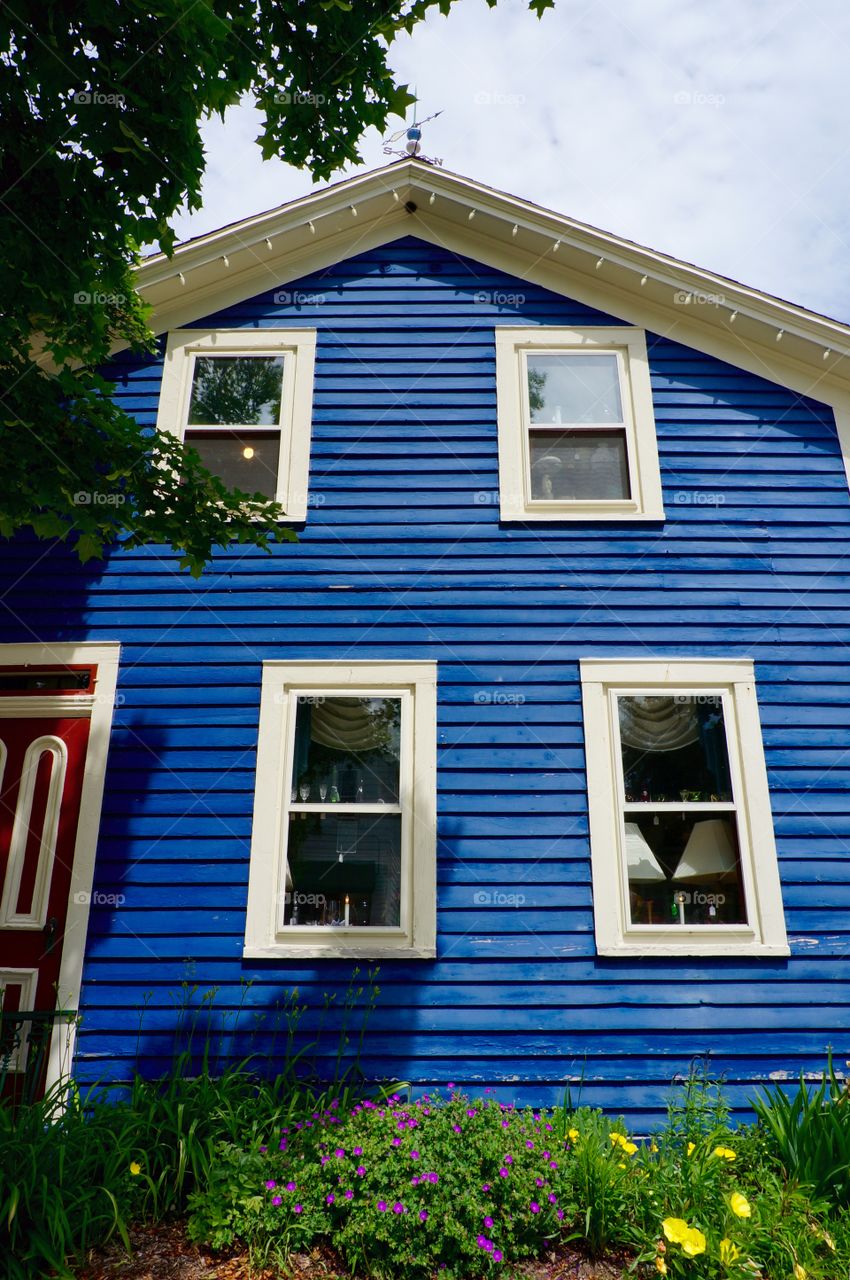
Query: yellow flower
[739,1205]
[725,1153]
[572,1134]
[654,1148]
[629,1147]
[728,1251]
[620,1164]
[799,1272]
[135,1169]
[661,1266]
[693,1243]
[675,1229]
[691,1147]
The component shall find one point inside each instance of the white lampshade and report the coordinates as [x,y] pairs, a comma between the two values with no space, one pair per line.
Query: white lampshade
[642,863]
[709,853]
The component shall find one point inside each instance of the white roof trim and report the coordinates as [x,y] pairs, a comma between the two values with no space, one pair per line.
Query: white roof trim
[775,339]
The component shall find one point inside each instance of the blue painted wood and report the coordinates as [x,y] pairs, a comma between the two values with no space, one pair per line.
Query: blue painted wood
[403,555]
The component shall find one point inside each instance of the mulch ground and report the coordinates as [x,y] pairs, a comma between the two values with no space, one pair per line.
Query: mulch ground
[163,1253]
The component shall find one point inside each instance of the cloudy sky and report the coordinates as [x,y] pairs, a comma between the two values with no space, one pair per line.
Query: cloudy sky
[714,130]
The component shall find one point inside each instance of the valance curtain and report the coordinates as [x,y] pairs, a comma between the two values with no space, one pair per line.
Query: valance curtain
[658,724]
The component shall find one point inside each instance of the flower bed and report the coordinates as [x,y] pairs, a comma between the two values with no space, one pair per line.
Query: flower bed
[450,1186]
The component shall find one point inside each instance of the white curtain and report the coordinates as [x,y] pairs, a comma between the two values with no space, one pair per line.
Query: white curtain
[657,724]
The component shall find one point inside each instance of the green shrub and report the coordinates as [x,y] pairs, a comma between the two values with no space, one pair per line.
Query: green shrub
[402,1189]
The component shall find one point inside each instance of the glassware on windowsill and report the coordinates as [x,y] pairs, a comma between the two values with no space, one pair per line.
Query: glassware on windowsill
[304,792]
[323,790]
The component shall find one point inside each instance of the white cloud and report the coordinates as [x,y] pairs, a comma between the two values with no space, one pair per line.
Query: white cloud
[712,131]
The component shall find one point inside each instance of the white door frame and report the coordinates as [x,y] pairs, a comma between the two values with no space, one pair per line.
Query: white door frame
[98,706]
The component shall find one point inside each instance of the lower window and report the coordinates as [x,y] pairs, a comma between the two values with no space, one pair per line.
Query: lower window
[343,849]
[682,844]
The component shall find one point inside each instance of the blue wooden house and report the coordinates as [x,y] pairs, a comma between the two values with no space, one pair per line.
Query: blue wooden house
[547,710]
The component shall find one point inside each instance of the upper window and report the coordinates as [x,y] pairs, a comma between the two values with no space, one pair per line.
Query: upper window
[243,400]
[576,427]
[343,848]
[681,834]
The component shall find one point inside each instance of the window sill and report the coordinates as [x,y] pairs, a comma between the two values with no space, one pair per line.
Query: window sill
[336,949]
[588,514]
[736,945]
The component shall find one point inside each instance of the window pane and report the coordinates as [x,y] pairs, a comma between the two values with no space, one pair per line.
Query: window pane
[246,461]
[347,749]
[333,858]
[684,868]
[236,391]
[578,464]
[674,748]
[574,387]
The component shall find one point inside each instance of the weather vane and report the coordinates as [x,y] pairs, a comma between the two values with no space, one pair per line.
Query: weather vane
[412,133]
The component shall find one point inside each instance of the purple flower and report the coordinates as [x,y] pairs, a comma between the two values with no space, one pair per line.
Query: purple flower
[529,1146]
[339,1153]
[497,1255]
[382,1206]
[553,1199]
[450,1085]
[553,1164]
[539,1182]
[488,1222]
[482,1242]
[414,1181]
[423,1215]
[358,1151]
[470,1111]
[506,1124]
[277,1200]
[560,1215]
[396,1142]
[349,1194]
[271,1184]
[456,1128]
[398,1207]
[298,1208]
[433,1177]
[414,1155]
[290,1186]
[534,1207]
[281,1146]
[263,1150]
[360,1171]
[503,1173]
[486,1186]
[329,1199]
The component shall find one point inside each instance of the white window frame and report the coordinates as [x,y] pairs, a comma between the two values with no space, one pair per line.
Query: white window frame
[298,346]
[514,422]
[602,680]
[415,682]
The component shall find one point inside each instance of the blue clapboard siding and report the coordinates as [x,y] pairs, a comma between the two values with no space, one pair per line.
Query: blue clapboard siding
[402,556]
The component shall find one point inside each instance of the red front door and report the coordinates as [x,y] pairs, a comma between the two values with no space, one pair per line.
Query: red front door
[42,760]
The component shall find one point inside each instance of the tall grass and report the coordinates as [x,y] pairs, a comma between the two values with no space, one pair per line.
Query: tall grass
[76,1167]
[810,1129]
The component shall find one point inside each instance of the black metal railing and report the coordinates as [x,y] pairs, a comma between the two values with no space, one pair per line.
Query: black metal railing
[25,1039]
